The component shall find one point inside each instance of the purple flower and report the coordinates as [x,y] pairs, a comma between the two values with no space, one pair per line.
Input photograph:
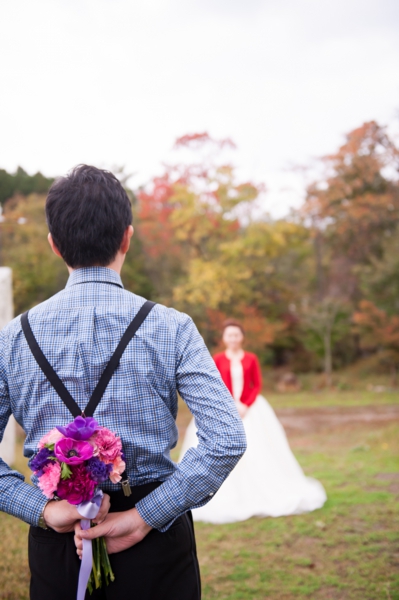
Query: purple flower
[81,428]
[41,459]
[72,452]
[99,471]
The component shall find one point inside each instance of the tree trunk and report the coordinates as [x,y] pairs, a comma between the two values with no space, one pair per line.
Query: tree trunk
[319,266]
[394,377]
[327,358]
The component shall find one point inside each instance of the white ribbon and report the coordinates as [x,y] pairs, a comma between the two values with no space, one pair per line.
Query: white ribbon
[88,510]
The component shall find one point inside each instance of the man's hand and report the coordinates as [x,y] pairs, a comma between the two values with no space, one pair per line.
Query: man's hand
[120,529]
[62,516]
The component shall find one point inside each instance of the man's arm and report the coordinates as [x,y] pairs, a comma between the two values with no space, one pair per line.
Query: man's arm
[221,434]
[18,498]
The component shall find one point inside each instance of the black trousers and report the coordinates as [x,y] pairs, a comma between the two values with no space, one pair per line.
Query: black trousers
[163,566]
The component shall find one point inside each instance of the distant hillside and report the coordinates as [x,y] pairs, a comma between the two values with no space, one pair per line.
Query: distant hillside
[21,182]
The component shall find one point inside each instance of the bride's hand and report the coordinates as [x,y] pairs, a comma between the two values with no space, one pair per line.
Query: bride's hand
[242,409]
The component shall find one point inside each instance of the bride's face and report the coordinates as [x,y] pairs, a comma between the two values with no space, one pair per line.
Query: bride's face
[233,338]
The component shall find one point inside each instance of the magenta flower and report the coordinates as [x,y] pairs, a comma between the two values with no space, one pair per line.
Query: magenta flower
[78,488]
[81,428]
[72,452]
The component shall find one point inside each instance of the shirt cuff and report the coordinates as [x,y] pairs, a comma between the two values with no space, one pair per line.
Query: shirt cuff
[28,503]
[160,510]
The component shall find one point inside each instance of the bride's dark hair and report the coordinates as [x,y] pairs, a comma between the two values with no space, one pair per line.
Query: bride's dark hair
[233,323]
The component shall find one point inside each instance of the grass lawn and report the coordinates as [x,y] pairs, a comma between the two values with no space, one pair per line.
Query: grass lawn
[327,398]
[347,550]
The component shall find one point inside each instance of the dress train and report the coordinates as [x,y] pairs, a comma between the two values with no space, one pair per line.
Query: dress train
[267,482]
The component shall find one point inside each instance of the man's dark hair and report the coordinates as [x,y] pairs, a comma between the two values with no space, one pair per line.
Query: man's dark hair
[87,213]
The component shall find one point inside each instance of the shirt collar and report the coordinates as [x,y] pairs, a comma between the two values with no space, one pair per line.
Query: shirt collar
[94,274]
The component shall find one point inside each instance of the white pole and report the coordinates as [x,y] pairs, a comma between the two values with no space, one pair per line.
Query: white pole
[7,446]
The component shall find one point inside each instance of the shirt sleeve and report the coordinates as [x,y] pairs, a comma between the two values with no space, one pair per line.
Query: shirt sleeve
[256,380]
[221,435]
[17,498]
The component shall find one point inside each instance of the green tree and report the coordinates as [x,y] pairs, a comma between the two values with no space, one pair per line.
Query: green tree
[379,280]
[325,323]
[22,183]
[37,272]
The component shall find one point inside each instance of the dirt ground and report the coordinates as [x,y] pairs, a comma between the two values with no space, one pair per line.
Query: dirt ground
[298,421]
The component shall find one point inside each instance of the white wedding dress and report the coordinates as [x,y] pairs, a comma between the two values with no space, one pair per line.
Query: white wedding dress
[268,481]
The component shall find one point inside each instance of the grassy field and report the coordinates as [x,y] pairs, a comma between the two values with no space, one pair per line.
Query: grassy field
[347,550]
[327,398]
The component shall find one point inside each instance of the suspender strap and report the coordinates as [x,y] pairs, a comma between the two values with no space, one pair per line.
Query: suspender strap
[115,358]
[56,382]
[47,369]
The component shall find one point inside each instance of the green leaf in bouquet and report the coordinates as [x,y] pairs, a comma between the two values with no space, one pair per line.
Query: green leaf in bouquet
[90,583]
[65,471]
[94,568]
[98,560]
[105,561]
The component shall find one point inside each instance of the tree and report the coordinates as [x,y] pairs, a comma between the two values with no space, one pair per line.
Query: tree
[353,208]
[210,250]
[187,213]
[37,272]
[379,332]
[22,183]
[325,323]
[379,280]
[352,212]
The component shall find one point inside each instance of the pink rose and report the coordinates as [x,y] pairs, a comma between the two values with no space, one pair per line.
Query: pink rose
[49,481]
[51,437]
[108,444]
[118,467]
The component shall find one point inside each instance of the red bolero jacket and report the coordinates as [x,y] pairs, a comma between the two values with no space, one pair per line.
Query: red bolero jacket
[252,376]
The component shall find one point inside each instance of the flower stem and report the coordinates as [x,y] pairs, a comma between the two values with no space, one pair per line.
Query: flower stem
[105,560]
[94,570]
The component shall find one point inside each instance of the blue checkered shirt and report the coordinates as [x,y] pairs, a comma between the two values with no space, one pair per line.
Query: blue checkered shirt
[78,329]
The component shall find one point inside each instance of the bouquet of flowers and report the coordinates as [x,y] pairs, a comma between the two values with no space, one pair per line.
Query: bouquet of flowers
[71,462]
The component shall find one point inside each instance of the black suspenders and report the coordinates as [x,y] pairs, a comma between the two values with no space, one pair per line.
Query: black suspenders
[105,378]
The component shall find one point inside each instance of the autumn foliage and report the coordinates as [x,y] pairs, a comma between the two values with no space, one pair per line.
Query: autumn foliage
[378,331]
[318,289]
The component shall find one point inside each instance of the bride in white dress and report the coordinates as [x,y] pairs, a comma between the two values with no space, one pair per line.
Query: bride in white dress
[268,481]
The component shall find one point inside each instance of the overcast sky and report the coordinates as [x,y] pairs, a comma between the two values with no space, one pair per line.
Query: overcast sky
[114,82]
